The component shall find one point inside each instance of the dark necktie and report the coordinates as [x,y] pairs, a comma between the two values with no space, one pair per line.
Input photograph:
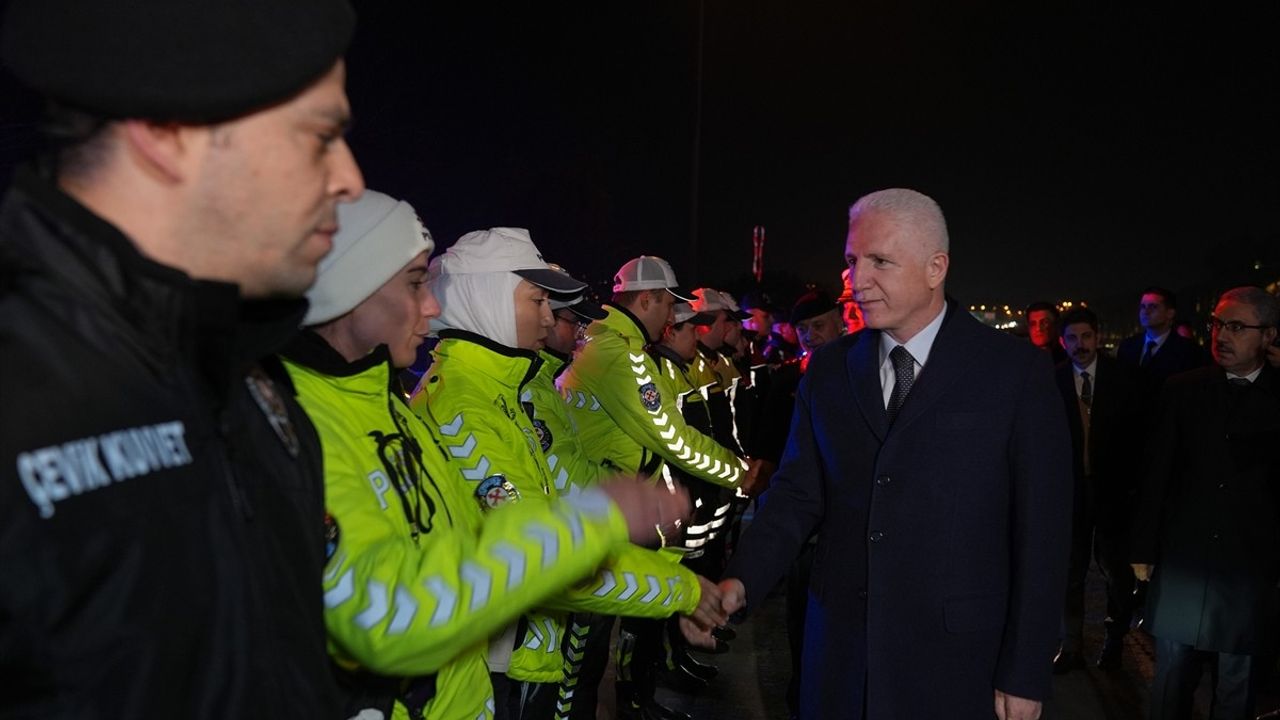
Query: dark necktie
[1086,404]
[1239,382]
[1146,354]
[904,374]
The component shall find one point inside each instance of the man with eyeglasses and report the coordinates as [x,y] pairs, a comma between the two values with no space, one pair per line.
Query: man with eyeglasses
[1209,520]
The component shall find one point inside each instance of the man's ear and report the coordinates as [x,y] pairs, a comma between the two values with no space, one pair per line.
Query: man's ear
[936,269]
[164,150]
[645,299]
[1062,342]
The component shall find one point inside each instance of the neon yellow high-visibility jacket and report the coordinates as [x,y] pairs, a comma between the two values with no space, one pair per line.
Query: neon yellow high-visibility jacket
[473,390]
[557,433]
[626,409]
[417,580]
[714,368]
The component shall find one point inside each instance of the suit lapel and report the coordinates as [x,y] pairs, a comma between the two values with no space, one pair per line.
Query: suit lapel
[948,362]
[863,365]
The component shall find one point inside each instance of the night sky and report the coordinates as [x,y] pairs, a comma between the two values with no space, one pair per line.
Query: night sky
[1077,153]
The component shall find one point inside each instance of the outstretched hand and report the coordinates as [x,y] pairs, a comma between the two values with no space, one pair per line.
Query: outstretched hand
[717,603]
[733,595]
[709,615]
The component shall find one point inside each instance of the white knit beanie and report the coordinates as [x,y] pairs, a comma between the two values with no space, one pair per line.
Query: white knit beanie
[377,236]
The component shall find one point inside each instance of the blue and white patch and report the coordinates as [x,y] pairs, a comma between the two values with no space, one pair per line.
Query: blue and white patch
[332,534]
[496,490]
[544,435]
[650,397]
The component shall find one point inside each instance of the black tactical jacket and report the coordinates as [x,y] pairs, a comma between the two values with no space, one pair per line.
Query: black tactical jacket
[161,496]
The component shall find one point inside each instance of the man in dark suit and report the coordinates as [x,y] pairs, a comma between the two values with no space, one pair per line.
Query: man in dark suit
[931,455]
[1209,523]
[1104,402]
[1158,351]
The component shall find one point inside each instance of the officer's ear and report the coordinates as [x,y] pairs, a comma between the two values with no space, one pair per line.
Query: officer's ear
[644,300]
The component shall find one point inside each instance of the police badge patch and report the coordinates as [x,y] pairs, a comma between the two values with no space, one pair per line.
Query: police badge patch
[496,490]
[544,435]
[269,402]
[650,396]
[331,537]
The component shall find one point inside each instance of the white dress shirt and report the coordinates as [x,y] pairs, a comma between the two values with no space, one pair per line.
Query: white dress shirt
[1251,377]
[1092,369]
[1159,341]
[919,347]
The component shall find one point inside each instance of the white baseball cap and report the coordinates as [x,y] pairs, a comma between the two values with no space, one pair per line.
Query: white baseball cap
[710,300]
[504,249]
[649,272]
[684,312]
[377,236]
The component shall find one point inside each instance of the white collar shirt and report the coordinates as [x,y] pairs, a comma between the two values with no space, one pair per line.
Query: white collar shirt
[1159,341]
[1092,369]
[919,347]
[1251,377]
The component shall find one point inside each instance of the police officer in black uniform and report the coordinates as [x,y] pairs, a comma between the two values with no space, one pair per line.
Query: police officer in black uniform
[161,507]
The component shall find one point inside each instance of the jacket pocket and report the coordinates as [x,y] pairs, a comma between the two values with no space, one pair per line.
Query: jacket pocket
[970,613]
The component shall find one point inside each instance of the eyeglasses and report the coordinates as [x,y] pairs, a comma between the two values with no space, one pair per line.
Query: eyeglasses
[1233,327]
[579,327]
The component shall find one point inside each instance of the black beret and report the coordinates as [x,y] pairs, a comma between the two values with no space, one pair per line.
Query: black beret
[810,305]
[195,61]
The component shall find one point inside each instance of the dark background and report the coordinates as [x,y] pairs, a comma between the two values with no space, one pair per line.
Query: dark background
[1078,151]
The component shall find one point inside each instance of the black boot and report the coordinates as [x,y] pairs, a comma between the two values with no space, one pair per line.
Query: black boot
[702,670]
[636,703]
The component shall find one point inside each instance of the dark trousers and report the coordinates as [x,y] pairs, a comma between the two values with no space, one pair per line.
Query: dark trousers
[586,655]
[1178,670]
[1108,544]
[516,700]
[641,646]
[797,604]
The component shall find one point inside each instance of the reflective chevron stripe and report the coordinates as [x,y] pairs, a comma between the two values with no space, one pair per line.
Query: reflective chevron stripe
[629,579]
[464,449]
[546,537]
[673,584]
[575,652]
[607,584]
[480,581]
[479,471]
[451,428]
[343,591]
[655,589]
[377,607]
[406,608]
[446,600]
[513,558]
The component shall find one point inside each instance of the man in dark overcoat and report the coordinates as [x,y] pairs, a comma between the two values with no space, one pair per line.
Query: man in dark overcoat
[1209,523]
[931,455]
[1104,402]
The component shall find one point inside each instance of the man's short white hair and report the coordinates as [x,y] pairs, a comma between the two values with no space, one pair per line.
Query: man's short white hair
[917,210]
